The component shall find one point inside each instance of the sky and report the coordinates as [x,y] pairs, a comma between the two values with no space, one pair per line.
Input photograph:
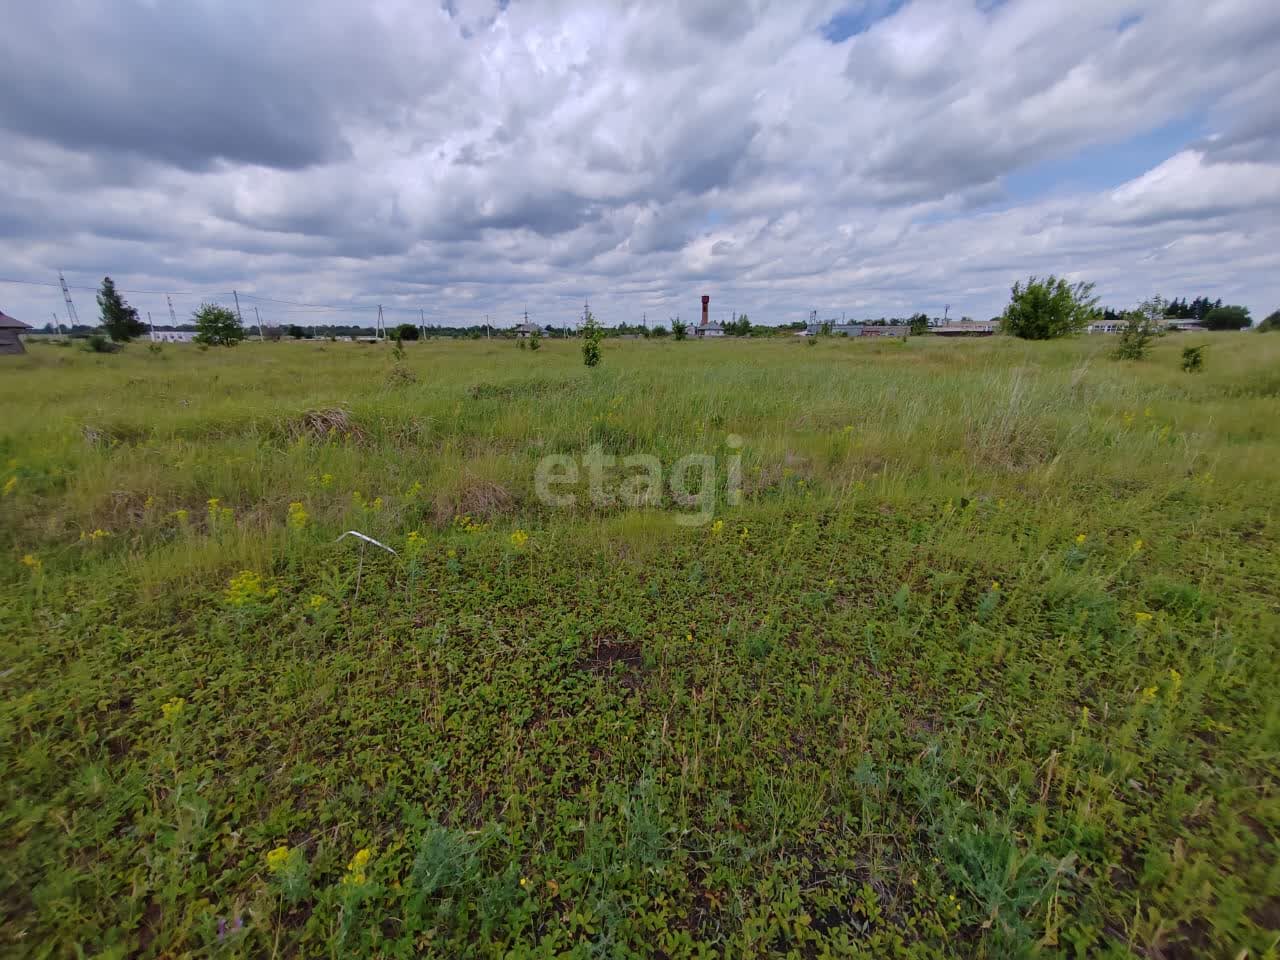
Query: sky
[478,158]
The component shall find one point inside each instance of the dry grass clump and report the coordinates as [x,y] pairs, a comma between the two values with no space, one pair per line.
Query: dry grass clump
[327,423]
[472,497]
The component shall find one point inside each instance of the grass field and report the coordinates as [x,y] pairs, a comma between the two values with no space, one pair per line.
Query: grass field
[984,664]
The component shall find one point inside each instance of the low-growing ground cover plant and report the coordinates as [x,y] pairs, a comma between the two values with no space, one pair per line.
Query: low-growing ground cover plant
[982,664]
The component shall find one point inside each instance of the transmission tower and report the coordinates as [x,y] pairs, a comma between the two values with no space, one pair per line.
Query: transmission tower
[73,318]
[173,318]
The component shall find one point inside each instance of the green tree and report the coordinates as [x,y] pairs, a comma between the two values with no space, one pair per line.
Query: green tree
[919,325]
[535,338]
[1049,308]
[216,326]
[295,331]
[1141,327]
[407,331]
[679,328]
[1271,323]
[1230,317]
[118,318]
[592,334]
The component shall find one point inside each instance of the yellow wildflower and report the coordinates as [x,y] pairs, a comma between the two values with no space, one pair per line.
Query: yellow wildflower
[1084,716]
[149,503]
[99,534]
[413,490]
[688,638]
[1080,538]
[519,538]
[213,503]
[995,584]
[356,868]
[524,881]
[1175,678]
[245,588]
[743,534]
[1141,616]
[317,601]
[326,480]
[377,504]
[717,526]
[9,486]
[298,516]
[451,553]
[1137,545]
[173,708]
[181,515]
[1149,694]
[29,561]
[277,858]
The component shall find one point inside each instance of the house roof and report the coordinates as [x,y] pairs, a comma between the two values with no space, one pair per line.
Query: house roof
[9,323]
[528,328]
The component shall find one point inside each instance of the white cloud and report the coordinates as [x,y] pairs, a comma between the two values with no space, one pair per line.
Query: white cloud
[480,158]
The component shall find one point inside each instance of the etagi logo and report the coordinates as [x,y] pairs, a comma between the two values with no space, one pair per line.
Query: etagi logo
[640,480]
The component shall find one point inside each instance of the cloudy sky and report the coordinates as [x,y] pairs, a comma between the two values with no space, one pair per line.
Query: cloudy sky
[472,157]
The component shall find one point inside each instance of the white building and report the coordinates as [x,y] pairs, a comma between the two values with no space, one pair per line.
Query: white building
[173,336]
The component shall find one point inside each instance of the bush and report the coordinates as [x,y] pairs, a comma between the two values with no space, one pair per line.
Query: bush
[406,331]
[592,334]
[1230,317]
[919,325]
[1193,359]
[1049,308]
[659,331]
[97,343]
[1141,327]
[535,339]
[217,326]
[679,329]
[1271,323]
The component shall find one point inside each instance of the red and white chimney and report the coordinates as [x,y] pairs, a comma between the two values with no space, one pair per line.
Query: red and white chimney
[706,305]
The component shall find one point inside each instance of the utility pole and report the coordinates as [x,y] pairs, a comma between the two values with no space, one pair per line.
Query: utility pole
[73,318]
[261,336]
[945,312]
[380,333]
[151,325]
[486,326]
[173,317]
[238,317]
[57,324]
[422,326]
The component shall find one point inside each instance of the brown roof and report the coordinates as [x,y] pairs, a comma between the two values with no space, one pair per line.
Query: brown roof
[7,322]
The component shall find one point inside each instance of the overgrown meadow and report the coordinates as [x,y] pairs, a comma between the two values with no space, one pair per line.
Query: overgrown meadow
[984,664]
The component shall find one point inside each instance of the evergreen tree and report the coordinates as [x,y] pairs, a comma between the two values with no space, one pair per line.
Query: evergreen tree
[118,318]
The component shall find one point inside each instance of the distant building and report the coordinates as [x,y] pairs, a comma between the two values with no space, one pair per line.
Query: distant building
[173,336]
[966,328]
[836,329]
[10,334]
[527,329]
[709,330]
[874,330]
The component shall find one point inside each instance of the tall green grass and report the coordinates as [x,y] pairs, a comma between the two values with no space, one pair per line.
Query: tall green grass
[984,664]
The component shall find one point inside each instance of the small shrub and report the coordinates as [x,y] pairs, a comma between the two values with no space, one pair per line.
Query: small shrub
[679,329]
[1141,327]
[155,348]
[592,334]
[1193,359]
[97,343]
[535,339]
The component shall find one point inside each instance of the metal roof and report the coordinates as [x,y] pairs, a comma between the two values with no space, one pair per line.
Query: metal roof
[8,322]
